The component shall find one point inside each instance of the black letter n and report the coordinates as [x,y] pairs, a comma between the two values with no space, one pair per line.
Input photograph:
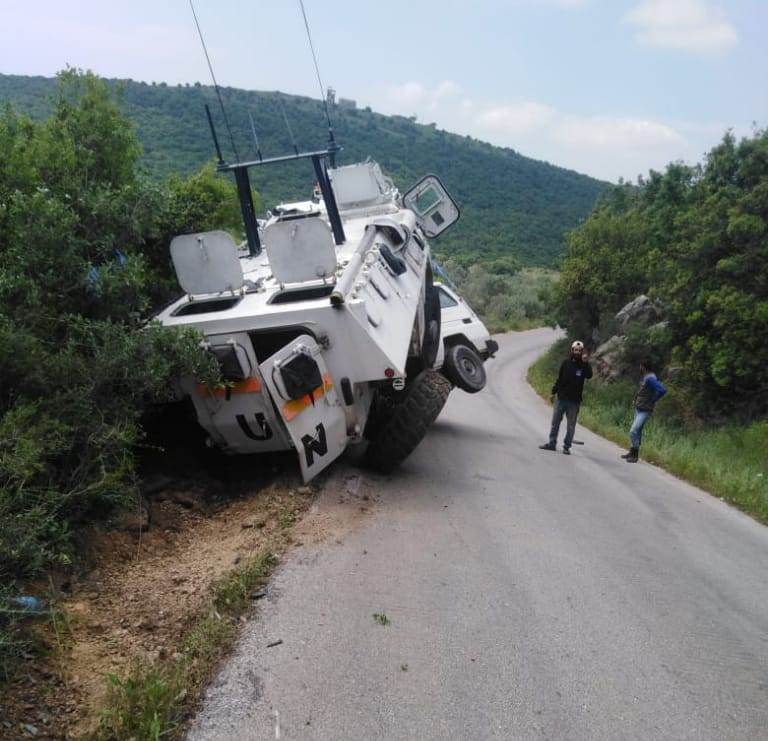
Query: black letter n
[314,445]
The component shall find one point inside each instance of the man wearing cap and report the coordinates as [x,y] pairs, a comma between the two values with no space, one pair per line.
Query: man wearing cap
[568,388]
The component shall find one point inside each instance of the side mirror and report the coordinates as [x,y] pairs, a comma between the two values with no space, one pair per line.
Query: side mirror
[435,210]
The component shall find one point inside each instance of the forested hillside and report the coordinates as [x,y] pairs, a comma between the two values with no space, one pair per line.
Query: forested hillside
[512,205]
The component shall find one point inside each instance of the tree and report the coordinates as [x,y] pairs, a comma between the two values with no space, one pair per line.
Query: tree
[695,239]
[81,234]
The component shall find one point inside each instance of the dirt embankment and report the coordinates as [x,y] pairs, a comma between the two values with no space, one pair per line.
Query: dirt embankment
[146,584]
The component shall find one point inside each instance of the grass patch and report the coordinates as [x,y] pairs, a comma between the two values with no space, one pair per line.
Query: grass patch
[381,618]
[155,698]
[728,461]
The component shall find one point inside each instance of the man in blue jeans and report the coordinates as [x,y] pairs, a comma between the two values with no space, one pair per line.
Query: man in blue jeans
[569,388]
[648,393]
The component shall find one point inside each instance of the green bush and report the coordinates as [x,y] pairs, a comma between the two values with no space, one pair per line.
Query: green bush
[83,260]
[505,300]
[694,239]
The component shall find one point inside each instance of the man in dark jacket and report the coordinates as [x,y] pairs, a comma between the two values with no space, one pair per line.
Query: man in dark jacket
[648,393]
[569,388]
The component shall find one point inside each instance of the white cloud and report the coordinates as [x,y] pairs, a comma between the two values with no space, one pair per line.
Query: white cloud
[516,118]
[414,94]
[607,146]
[615,133]
[689,25]
[447,89]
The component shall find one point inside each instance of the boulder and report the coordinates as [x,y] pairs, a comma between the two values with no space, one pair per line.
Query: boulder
[608,359]
[641,311]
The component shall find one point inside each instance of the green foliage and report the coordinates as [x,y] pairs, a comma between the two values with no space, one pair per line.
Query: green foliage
[727,460]
[505,300]
[604,266]
[696,240]
[83,258]
[511,205]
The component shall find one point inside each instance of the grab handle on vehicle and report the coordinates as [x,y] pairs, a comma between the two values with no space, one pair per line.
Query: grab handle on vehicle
[347,280]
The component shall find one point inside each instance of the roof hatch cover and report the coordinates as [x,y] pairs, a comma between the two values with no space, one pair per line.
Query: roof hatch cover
[206,263]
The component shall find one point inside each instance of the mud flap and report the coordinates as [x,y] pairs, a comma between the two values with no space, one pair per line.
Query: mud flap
[313,414]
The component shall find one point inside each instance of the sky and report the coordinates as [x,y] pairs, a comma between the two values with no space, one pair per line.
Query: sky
[611,88]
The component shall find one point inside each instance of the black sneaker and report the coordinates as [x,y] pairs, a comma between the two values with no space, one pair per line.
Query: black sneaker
[547,446]
[566,451]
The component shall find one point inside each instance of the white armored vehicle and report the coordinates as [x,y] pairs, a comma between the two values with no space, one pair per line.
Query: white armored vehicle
[327,327]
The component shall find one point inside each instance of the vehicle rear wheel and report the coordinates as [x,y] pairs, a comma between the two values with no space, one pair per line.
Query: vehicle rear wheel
[407,422]
[464,367]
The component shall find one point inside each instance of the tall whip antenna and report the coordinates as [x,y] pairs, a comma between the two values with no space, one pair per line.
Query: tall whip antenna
[215,84]
[255,137]
[323,97]
[287,124]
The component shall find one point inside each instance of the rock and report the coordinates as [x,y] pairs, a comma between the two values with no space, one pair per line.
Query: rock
[641,311]
[607,359]
[190,499]
[304,490]
[134,520]
[672,373]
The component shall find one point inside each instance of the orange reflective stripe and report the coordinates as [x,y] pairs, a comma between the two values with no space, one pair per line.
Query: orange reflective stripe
[293,408]
[248,386]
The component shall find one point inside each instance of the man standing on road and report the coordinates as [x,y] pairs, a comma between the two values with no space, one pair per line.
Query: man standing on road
[569,388]
[648,393]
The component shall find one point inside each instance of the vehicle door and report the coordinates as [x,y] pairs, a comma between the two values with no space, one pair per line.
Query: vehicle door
[303,391]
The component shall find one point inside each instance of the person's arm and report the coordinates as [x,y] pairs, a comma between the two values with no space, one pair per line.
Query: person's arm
[587,369]
[659,389]
[559,376]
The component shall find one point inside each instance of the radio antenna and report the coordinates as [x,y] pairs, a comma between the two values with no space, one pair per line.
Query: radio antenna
[255,137]
[287,124]
[331,138]
[215,84]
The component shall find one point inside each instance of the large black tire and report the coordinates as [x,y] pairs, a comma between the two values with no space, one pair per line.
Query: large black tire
[464,367]
[406,423]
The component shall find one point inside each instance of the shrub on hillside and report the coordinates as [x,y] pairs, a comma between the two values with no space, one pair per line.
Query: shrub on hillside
[83,259]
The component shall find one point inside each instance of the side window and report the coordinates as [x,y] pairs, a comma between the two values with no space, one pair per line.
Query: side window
[446,300]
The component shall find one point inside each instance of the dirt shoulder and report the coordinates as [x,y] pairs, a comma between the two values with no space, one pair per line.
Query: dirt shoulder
[150,584]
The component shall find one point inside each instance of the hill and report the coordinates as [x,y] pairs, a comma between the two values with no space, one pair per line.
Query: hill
[512,205]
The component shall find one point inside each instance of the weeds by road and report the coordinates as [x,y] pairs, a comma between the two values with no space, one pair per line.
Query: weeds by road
[125,644]
[728,461]
[150,702]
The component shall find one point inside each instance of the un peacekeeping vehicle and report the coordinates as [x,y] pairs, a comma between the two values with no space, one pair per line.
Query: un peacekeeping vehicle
[326,322]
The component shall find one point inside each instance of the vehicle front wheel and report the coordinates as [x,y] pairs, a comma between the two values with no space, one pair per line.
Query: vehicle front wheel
[464,367]
[406,423]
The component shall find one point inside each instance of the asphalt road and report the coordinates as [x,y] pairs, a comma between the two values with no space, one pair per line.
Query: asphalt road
[531,596]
